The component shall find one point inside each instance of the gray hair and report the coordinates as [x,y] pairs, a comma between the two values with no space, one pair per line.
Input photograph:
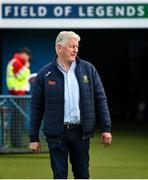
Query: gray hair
[64,36]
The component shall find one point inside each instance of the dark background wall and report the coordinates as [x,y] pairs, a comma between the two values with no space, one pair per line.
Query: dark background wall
[118,54]
[0,63]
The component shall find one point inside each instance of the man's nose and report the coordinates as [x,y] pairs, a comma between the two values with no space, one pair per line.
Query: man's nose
[75,49]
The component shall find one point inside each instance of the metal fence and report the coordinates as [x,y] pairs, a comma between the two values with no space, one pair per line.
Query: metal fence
[14,125]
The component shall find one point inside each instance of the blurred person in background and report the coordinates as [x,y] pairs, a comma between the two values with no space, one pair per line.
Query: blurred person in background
[68,94]
[17,79]
[18,72]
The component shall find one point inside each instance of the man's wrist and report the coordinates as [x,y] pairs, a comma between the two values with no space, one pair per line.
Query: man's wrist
[34,139]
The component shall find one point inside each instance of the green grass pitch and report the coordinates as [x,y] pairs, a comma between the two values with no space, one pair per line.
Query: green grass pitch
[127,157]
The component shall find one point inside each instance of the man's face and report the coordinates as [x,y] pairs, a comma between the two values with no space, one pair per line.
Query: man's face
[68,51]
[25,56]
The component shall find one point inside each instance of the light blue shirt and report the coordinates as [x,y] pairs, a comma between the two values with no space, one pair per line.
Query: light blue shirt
[71,95]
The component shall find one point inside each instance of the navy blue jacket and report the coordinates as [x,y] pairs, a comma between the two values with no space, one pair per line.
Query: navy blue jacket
[47,101]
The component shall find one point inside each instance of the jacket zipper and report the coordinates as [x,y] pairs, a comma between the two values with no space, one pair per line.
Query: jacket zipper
[76,72]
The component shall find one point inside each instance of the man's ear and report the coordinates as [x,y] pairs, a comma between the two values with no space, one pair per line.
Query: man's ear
[59,47]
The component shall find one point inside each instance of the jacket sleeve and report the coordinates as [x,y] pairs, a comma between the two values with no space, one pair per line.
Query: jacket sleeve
[23,73]
[100,99]
[20,70]
[37,109]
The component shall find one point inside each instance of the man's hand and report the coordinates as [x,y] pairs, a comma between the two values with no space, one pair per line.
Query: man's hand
[106,138]
[27,64]
[35,147]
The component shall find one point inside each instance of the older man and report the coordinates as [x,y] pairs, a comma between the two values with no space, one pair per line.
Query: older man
[69,95]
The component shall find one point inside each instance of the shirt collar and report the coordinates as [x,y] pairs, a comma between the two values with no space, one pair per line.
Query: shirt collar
[73,66]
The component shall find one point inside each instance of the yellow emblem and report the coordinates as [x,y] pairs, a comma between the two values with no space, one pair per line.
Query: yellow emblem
[85,79]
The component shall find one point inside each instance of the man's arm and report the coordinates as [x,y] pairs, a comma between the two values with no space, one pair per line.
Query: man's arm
[20,70]
[36,115]
[101,108]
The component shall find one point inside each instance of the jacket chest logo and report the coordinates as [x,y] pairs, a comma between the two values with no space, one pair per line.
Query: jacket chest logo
[52,82]
[85,79]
